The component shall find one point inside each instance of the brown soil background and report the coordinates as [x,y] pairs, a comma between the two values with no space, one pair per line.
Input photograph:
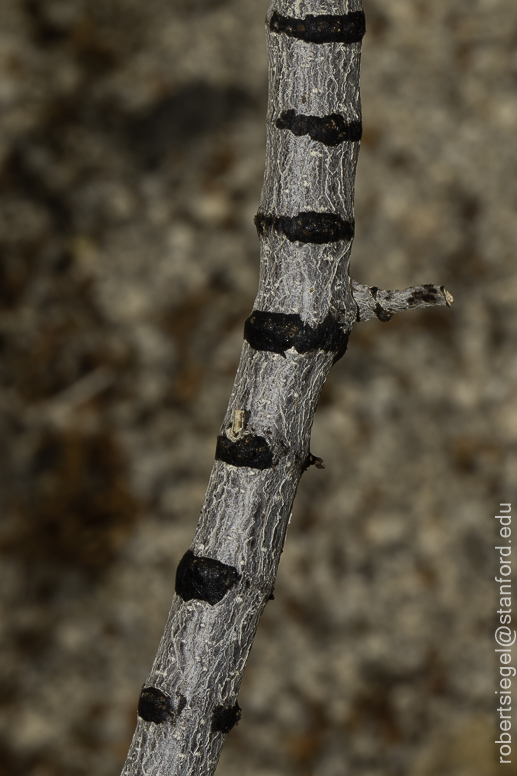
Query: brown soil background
[132,153]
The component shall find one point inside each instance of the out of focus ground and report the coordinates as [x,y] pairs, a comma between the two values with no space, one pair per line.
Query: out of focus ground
[132,152]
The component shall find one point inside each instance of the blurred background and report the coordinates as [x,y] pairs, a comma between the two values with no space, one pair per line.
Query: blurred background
[132,153]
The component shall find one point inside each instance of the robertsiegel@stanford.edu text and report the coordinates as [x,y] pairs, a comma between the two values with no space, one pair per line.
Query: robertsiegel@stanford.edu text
[504,635]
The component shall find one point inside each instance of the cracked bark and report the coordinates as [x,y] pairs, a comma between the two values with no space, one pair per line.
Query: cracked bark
[303,314]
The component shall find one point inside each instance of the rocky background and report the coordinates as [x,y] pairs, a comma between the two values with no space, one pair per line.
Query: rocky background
[132,152]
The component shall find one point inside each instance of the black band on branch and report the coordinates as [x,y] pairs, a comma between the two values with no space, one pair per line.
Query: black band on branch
[308,227]
[325,28]
[225,717]
[278,332]
[249,450]
[204,579]
[330,130]
[154,705]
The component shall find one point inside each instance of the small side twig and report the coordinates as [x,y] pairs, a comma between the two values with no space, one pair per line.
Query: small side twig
[374,302]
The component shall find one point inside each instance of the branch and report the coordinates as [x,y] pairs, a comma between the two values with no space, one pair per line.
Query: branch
[374,302]
[299,327]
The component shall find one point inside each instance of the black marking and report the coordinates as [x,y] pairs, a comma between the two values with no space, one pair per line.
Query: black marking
[308,227]
[225,717]
[427,293]
[330,130]
[324,28]
[251,451]
[278,332]
[204,579]
[155,706]
[382,314]
[313,460]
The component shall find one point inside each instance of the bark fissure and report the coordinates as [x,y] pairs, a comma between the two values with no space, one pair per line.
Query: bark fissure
[300,324]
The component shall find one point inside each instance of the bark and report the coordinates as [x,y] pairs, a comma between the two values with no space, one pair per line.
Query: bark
[302,317]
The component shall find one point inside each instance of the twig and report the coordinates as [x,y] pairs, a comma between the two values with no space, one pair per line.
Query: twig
[374,302]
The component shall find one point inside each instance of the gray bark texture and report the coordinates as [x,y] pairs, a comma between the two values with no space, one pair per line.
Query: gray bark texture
[303,314]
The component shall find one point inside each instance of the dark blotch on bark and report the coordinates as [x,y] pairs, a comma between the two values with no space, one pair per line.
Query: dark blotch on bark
[308,227]
[330,130]
[155,706]
[427,293]
[313,460]
[325,28]
[204,579]
[382,314]
[278,332]
[251,451]
[225,717]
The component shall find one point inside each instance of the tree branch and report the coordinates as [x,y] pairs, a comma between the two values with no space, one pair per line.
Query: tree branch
[299,327]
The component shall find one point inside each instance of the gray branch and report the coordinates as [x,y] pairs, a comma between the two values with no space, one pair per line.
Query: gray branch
[300,324]
[373,302]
